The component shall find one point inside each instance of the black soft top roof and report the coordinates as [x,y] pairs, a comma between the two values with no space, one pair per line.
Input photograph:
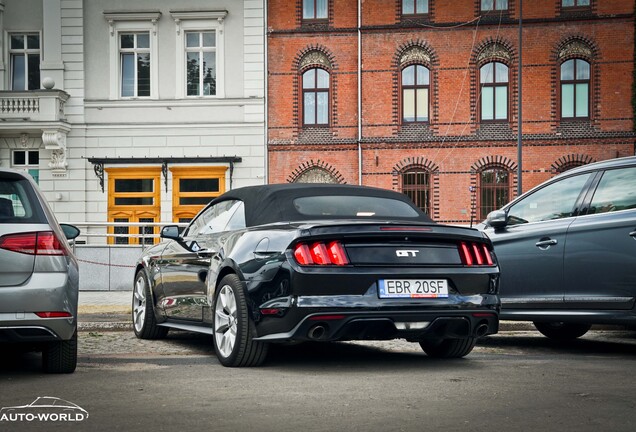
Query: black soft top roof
[275,202]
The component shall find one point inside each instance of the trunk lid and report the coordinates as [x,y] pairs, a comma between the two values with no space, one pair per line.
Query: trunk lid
[391,244]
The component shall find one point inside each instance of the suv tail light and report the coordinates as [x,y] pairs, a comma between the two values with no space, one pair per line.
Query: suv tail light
[475,254]
[33,243]
[321,253]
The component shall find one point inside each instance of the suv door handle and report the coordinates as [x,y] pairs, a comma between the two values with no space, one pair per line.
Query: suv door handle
[544,244]
[632,234]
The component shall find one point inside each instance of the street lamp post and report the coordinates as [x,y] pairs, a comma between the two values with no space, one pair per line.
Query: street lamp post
[519,113]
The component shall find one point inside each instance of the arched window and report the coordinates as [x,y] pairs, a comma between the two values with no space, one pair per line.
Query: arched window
[493,78]
[416,185]
[316,175]
[494,190]
[415,93]
[575,89]
[315,97]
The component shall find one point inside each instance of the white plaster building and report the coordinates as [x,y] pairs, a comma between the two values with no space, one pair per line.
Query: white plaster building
[132,110]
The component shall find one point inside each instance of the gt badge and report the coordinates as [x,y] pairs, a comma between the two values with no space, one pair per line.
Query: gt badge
[407,252]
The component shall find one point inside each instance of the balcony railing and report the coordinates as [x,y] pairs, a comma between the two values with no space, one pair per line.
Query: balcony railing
[33,105]
[96,233]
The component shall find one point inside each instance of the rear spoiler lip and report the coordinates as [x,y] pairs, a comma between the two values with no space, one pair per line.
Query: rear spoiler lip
[343,229]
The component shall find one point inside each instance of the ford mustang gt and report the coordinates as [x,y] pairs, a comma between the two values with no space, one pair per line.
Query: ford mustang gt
[316,262]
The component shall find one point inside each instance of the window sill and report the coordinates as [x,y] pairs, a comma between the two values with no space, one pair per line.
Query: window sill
[314,25]
[575,11]
[408,20]
[575,120]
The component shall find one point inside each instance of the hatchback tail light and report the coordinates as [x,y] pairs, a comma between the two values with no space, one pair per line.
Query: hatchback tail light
[33,243]
[321,253]
[475,254]
[54,314]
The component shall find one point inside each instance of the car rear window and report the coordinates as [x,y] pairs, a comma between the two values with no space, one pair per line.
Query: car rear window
[18,202]
[354,206]
[616,191]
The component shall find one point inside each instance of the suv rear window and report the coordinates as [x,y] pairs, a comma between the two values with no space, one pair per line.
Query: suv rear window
[615,192]
[354,206]
[18,202]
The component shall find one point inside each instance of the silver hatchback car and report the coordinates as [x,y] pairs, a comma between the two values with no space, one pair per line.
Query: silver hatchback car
[39,276]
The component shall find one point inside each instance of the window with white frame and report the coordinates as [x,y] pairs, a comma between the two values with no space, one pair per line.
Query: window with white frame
[27,160]
[199,46]
[200,63]
[134,70]
[135,61]
[24,53]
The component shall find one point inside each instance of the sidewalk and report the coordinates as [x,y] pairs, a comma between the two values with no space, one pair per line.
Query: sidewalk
[111,310]
[104,310]
[92,302]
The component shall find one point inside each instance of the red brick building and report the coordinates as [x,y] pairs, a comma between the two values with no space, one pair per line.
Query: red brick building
[437,115]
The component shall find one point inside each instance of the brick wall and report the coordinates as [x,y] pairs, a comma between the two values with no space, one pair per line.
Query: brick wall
[453,40]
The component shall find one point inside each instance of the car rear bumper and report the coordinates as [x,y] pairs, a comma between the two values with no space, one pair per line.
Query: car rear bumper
[36,331]
[367,316]
[43,292]
[334,324]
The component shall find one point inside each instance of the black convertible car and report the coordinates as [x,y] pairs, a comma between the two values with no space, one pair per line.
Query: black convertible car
[317,262]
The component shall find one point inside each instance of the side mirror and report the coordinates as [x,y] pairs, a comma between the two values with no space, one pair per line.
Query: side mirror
[70,231]
[170,232]
[497,219]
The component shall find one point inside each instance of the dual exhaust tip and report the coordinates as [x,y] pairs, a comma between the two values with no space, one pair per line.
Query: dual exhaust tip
[481,330]
[319,331]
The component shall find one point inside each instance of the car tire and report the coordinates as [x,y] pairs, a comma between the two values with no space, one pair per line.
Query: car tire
[233,330]
[562,330]
[448,348]
[143,311]
[60,356]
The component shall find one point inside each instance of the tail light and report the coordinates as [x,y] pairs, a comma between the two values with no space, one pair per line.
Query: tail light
[53,314]
[33,243]
[321,253]
[475,254]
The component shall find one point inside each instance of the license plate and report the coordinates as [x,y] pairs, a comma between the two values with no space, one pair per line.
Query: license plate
[413,288]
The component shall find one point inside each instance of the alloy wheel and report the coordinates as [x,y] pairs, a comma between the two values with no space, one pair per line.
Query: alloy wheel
[225,321]
[139,304]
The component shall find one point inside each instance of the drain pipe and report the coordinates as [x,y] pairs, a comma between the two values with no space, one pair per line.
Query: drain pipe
[265,95]
[360,92]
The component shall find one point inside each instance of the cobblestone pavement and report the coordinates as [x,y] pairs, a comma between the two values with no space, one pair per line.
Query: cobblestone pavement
[105,326]
[105,344]
[115,343]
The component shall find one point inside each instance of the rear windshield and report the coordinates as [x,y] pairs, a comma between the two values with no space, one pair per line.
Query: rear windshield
[18,202]
[354,206]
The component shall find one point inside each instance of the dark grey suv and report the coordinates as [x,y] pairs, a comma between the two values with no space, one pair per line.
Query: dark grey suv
[38,275]
[567,250]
